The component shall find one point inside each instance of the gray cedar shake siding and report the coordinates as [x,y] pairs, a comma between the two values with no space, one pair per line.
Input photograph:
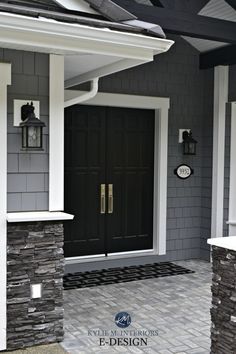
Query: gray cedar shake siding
[27,172]
[174,74]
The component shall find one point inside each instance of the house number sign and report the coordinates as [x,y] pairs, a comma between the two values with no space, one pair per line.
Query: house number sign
[183,171]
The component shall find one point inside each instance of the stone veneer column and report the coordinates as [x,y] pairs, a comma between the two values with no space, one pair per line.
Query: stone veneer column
[34,256]
[223,311]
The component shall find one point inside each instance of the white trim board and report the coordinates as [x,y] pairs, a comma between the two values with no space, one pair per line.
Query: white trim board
[161,107]
[221,85]
[56,133]
[38,216]
[232,185]
[5,80]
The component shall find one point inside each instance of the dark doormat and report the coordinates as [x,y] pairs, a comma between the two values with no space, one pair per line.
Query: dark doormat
[122,275]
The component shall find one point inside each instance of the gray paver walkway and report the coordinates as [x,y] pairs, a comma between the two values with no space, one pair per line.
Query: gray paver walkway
[178,307]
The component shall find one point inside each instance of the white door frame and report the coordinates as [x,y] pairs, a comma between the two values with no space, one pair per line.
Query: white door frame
[161,107]
[232,185]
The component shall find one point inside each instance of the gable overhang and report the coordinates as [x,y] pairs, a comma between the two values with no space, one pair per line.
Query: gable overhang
[67,39]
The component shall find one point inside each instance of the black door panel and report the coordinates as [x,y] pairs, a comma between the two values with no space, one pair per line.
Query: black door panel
[111,146]
[130,149]
[84,173]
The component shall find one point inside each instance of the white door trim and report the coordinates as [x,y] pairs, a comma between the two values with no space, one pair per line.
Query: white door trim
[221,85]
[232,185]
[5,80]
[161,107]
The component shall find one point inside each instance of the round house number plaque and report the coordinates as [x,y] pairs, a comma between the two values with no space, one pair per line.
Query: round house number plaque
[183,171]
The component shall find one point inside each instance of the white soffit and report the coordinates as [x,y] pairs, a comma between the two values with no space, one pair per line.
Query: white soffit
[203,45]
[219,9]
[144,2]
[76,65]
[77,5]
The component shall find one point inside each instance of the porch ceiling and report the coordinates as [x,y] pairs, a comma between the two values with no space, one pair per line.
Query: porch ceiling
[79,66]
[89,52]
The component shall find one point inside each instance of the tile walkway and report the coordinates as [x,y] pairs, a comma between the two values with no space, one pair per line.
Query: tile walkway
[177,307]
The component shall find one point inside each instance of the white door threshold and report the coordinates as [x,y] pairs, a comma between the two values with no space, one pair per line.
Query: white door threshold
[110,256]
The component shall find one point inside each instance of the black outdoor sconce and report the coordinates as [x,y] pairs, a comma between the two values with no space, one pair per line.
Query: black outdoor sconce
[32,128]
[189,144]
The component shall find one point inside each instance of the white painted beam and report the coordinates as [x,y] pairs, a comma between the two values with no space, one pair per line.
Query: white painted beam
[122,100]
[56,136]
[232,185]
[5,79]
[220,99]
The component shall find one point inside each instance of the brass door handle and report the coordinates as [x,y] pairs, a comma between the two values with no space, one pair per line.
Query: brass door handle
[102,199]
[110,198]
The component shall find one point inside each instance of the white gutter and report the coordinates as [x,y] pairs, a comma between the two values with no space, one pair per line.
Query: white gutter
[84,97]
[50,36]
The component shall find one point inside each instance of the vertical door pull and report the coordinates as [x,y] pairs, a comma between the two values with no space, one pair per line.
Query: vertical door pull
[110,198]
[103,199]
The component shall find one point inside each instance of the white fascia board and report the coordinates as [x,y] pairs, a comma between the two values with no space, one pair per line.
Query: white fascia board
[62,38]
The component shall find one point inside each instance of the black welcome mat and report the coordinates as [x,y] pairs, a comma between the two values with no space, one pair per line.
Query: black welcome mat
[122,275]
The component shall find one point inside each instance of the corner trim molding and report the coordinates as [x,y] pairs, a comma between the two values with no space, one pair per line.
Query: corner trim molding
[5,80]
[221,85]
[56,133]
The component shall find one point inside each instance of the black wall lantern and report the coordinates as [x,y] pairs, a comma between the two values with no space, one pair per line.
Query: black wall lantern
[32,128]
[189,144]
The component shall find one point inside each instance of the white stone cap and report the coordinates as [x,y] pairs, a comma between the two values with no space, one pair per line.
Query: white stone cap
[228,242]
[38,216]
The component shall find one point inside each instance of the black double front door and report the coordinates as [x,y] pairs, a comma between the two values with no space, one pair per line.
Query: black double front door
[109,158]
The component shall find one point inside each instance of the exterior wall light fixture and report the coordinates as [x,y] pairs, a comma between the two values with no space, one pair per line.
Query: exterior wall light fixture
[189,144]
[32,128]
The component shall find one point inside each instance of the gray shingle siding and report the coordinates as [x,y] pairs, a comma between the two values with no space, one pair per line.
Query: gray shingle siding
[27,172]
[176,75]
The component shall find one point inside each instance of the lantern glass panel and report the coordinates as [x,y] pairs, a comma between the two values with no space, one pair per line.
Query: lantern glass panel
[192,148]
[34,137]
[24,137]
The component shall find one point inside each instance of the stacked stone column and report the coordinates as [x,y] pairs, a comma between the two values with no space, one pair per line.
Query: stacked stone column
[34,256]
[223,311]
